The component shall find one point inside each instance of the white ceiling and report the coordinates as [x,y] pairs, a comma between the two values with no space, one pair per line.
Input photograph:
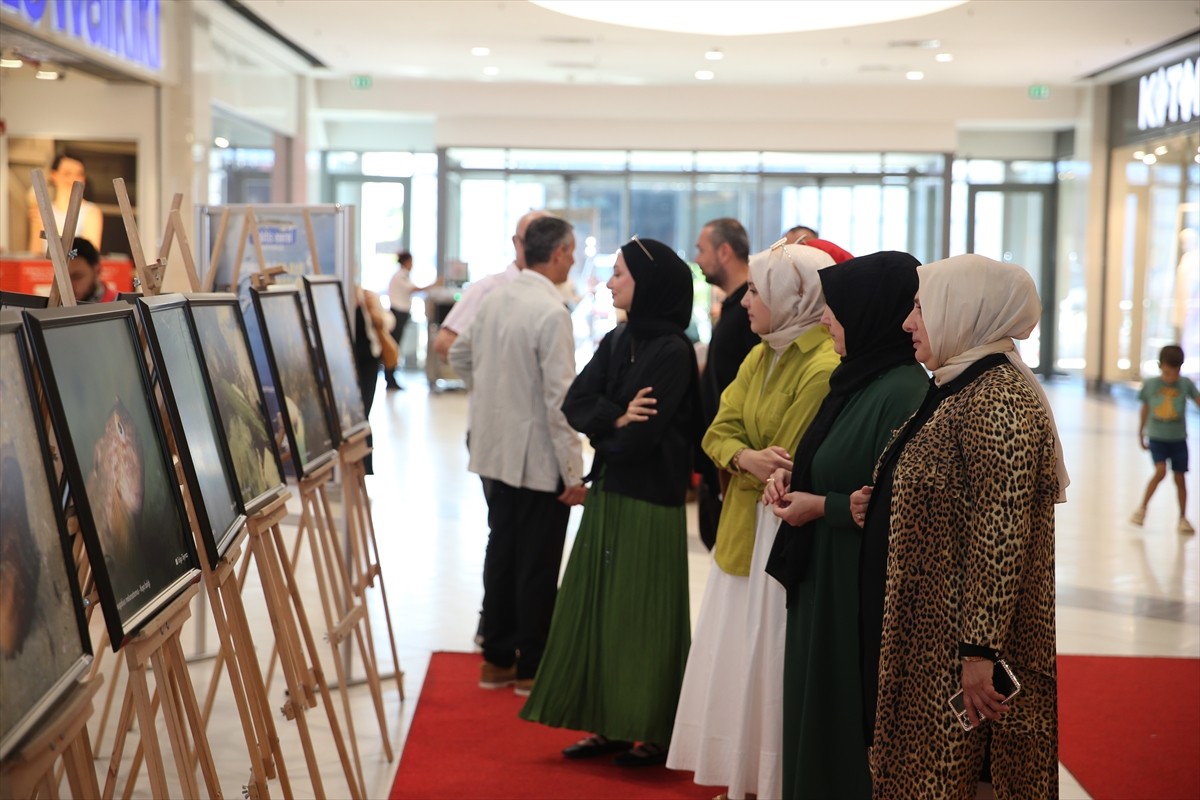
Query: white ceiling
[993,42]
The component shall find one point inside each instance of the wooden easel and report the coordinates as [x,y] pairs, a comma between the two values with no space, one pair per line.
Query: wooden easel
[285,607]
[249,230]
[30,771]
[344,616]
[158,645]
[61,292]
[364,547]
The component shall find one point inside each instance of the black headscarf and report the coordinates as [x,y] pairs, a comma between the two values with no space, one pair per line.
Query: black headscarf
[662,298]
[870,296]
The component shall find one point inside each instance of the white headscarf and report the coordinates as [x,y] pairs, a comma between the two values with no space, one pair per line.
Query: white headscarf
[972,307]
[786,280]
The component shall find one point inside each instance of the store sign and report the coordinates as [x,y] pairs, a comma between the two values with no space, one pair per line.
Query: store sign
[1169,94]
[130,30]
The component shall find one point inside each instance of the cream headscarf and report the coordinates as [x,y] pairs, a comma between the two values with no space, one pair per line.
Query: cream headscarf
[972,307]
[786,280]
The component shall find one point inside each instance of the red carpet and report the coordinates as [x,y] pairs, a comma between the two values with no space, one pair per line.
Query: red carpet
[1130,727]
[468,742]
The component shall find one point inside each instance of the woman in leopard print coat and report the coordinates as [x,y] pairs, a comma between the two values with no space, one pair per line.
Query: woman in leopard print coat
[969,486]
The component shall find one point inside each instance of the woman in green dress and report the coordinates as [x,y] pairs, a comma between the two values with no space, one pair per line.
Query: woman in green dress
[816,552]
[621,629]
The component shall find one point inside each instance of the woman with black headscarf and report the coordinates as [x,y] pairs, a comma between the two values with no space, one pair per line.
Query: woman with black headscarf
[621,630]
[816,551]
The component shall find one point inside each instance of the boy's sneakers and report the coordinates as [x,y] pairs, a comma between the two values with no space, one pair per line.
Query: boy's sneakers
[1186,527]
[1138,517]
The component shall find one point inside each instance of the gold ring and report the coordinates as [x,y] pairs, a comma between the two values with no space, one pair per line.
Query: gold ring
[770,479]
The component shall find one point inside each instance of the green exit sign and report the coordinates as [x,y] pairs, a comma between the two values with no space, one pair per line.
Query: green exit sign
[360,81]
[1039,91]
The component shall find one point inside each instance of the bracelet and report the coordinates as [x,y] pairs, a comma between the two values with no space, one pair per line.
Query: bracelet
[733,462]
[975,658]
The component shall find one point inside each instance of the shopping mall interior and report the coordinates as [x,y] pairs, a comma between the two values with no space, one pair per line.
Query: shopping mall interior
[1059,135]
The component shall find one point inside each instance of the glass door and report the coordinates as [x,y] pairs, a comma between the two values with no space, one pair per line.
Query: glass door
[384,218]
[1014,223]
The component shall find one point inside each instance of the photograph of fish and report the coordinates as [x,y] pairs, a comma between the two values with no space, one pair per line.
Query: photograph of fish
[208,469]
[294,375]
[335,352]
[138,538]
[239,398]
[44,646]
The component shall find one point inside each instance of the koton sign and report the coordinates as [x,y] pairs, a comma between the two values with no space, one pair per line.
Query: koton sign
[1169,94]
[130,30]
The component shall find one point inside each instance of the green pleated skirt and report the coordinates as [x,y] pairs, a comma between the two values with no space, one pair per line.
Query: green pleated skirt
[621,630]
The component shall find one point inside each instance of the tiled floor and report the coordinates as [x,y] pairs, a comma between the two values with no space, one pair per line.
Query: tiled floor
[1122,590]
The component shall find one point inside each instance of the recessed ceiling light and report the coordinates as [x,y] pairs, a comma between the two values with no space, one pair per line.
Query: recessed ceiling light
[491,71]
[714,55]
[915,75]
[704,75]
[1139,154]
[744,17]
[481,51]
[1149,159]
[944,58]
[46,75]
[1161,150]
[221,141]
[11,63]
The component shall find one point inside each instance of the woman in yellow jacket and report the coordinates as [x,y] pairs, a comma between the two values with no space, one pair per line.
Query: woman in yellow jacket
[762,416]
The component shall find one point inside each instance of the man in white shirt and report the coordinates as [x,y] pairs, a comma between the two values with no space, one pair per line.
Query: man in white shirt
[518,360]
[400,293]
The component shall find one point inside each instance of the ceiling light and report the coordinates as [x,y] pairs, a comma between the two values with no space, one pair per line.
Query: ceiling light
[1138,155]
[745,17]
[704,75]
[11,63]
[915,75]
[47,75]
[491,71]
[1161,150]
[1149,159]
[221,141]
[714,55]
[481,51]
[944,58]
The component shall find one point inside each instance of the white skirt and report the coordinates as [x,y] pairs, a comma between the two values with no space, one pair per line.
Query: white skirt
[729,723]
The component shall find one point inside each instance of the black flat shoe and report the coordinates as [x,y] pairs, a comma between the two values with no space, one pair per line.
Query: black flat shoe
[644,755]
[595,746]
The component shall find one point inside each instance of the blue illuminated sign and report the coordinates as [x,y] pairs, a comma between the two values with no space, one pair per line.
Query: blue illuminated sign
[130,30]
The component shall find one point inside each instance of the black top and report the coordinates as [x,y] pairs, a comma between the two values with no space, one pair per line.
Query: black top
[651,460]
[877,529]
[731,341]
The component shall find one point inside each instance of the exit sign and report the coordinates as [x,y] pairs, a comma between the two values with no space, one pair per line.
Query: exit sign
[1039,91]
[360,81]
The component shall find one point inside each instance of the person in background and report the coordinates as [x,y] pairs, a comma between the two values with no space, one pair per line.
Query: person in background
[400,293]
[963,508]
[1162,429]
[373,347]
[723,255]
[84,268]
[799,233]
[764,411]
[815,553]
[518,359]
[621,630]
[65,171]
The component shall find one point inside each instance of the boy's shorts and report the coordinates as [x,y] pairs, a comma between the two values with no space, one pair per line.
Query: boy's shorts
[1176,452]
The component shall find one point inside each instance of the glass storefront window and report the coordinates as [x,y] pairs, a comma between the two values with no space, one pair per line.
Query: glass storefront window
[662,160]
[727,162]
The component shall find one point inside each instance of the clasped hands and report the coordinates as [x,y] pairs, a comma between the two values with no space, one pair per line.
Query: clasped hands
[794,508]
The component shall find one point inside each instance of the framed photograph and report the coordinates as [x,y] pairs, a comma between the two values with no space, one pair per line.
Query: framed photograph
[115,455]
[44,642]
[335,353]
[196,424]
[293,370]
[20,300]
[238,393]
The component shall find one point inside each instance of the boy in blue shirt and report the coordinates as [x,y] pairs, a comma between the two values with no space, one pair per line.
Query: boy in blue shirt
[1162,429]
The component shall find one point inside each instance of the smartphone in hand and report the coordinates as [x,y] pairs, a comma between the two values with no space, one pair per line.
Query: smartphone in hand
[1003,681]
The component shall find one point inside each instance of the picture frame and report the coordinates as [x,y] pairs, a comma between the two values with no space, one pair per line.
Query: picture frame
[238,393]
[195,422]
[22,300]
[293,372]
[115,455]
[334,347]
[44,641]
